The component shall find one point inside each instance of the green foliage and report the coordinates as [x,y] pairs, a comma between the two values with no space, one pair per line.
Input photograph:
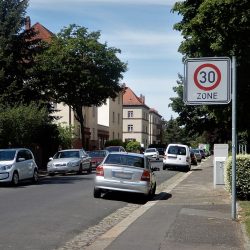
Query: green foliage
[65,135]
[80,71]
[217,28]
[133,146]
[16,54]
[21,125]
[116,142]
[242,176]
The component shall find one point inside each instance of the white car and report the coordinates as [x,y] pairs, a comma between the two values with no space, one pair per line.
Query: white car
[17,164]
[177,156]
[69,160]
[152,153]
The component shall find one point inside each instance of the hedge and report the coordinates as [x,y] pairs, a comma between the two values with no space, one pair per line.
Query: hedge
[242,176]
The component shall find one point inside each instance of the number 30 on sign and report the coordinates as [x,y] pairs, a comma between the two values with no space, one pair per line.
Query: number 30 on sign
[207,81]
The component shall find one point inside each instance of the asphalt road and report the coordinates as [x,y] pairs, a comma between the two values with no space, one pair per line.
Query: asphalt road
[48,215]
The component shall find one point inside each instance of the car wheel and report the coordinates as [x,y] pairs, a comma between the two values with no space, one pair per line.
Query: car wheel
[35,176]
[80,169]
[152,193]
[90,168]
[97,192]
[15,179]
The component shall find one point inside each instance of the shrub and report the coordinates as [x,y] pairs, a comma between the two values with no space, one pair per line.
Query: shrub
[133,146]
[242,176]
[116,142]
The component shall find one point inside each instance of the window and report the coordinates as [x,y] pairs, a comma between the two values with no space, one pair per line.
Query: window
[118,118]
[130,128]
[113,117]
[130,114]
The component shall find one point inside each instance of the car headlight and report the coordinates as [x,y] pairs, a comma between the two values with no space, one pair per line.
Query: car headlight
[6,167]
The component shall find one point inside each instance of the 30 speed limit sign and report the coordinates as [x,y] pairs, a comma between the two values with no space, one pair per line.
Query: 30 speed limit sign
[207,81]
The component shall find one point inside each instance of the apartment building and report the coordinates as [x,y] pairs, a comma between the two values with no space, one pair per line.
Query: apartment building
[135,118]
[110,115]
[155,127]
[140,123]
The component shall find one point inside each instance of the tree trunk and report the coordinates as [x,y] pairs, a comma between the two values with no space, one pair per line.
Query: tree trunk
[79,117]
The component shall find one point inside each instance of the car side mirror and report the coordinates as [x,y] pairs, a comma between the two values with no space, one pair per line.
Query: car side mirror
[51,158]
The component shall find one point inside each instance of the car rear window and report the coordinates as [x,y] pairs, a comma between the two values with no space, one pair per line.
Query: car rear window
[125,160]
[177,150]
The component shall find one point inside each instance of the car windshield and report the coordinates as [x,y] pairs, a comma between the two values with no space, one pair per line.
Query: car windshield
[150,150]
[113,149]
[196,151]
[7,155]
[177,150]
[129,160]
[67,154]
[97,153]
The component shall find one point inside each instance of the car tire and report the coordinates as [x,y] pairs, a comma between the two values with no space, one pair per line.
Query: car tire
[80,169]
[97,192]
[35,176]
[152,192]
[15,179]
[90,169]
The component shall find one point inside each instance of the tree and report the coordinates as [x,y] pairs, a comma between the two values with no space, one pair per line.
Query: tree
[219,28]
[79,70]
[16,54]
[199,120]
[21,125]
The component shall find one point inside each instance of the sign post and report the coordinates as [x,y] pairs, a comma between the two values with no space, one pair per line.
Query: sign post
[207,81]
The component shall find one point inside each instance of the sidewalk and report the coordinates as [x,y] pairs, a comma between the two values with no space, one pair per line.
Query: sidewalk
[190,215]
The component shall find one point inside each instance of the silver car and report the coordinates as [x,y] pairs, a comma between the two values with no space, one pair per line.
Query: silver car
[69,160]
[127,172]
[17,164]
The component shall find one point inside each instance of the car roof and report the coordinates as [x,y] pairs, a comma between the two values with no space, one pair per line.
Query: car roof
[13,149]
[126,153]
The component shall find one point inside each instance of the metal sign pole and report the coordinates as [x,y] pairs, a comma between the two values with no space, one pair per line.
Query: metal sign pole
[234,142]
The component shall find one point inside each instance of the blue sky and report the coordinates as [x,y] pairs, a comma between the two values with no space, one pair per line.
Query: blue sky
[142,29]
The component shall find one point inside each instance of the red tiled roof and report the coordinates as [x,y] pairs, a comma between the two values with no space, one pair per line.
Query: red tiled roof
[42,32]
[130,98]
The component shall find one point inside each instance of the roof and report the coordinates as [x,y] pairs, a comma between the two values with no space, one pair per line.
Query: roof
[42,33]
[130,98]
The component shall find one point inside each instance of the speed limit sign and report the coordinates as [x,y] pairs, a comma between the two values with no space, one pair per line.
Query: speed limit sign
[207,81]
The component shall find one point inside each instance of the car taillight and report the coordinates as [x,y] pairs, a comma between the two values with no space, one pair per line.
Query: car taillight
[100,171]
[145,176]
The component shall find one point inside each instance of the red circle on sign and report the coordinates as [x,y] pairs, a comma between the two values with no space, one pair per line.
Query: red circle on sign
[215,68]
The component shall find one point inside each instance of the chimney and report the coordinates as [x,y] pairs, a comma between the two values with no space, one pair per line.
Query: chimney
[142,97]
[27,23]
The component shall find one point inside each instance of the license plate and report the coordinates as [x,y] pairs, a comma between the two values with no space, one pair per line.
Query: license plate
[122,175]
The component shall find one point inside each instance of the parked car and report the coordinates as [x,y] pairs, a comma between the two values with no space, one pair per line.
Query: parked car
[17,164]
[193,158]
[177,156]
[97,157]
[115,149]
[152,153]
[161,151]
[127,172]
[197,154]
[202,152]
[69,160]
